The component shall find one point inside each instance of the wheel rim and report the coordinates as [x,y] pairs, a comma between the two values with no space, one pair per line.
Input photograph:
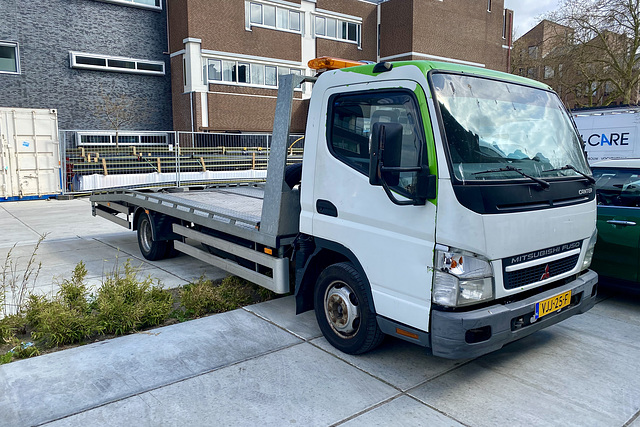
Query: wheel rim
[341,309]
[145,235]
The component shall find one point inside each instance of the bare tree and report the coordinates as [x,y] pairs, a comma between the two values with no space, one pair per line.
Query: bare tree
[608,33]
[115,110]
[119,110]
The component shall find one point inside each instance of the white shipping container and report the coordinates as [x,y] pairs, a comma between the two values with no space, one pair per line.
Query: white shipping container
[29,153]
[610,133]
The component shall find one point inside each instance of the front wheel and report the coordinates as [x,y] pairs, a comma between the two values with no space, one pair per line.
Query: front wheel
[152,250]
[342,310]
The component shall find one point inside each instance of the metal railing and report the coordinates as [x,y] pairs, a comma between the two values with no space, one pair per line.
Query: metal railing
[93,160]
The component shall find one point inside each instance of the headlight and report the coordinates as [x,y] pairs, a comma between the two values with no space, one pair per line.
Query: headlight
[588,256]
[461,278]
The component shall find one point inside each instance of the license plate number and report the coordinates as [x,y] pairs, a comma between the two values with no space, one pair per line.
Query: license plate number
[553,304]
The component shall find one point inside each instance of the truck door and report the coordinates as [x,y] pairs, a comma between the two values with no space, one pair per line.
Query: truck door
[394,243]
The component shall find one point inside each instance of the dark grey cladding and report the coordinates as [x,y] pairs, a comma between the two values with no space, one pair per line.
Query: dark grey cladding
[47,30]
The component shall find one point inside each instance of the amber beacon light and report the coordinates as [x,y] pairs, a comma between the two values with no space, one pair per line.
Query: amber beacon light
[329,63]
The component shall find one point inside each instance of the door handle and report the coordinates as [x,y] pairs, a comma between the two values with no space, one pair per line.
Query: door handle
[325,207]
[622,223]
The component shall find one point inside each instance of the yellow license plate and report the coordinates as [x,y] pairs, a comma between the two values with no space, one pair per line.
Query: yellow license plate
[553,304]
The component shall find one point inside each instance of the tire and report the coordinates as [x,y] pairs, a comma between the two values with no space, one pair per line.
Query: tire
[293,174]
[340,290]
[171,252]
[153,250]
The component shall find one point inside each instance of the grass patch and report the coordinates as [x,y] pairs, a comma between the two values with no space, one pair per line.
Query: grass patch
[124,303]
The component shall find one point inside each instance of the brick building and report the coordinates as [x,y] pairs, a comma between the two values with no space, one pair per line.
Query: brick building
[225,59]
[472,32]
[579,72]
[71,54]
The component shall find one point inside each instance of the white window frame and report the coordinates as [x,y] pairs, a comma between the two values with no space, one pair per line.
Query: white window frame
[73,62]
[339,18]
[112,137]
[279,5]
[251,63]
[16,49]
[134,3]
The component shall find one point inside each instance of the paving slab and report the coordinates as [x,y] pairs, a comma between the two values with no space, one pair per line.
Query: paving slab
[282,312]
[55,385]
[399,363]
[623,307]
[556,376]
[479,397]
[577,368]
[59,218]
[403,411]
[285,387]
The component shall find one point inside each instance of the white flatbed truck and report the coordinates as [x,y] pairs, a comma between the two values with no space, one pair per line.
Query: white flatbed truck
[446,205]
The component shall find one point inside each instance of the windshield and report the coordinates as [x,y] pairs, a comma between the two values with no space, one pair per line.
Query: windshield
[493,127]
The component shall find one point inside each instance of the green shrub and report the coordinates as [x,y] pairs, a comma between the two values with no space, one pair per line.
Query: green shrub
[73,292]
[10,326]
[198,298]
[21,350]
[124,304]
[204,296]
[54,323]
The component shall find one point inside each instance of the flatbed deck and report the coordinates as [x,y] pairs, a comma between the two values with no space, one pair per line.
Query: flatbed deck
[231,209]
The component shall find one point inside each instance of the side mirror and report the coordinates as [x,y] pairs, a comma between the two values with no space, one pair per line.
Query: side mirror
[385,169]
[386,149]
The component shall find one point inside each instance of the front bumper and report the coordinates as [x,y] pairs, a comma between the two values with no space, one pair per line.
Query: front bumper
[500,324]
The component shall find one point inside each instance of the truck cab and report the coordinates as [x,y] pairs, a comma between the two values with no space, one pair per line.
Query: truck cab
[447,205]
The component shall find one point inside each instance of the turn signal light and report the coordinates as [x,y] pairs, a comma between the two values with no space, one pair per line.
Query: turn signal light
[329,63]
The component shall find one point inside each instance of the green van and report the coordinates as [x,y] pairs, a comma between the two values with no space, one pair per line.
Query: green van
[617,252]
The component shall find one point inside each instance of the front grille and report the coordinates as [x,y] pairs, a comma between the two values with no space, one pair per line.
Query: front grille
[526,276]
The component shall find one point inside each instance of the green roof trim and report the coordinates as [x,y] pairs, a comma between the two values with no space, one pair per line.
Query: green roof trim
[426,66]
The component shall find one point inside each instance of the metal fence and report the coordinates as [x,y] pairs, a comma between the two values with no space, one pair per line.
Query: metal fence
[93,160]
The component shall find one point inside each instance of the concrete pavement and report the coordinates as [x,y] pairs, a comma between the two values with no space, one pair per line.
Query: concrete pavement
[74,235]
[262,365]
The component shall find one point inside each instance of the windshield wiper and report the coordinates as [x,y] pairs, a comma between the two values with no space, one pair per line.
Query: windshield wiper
[543,183]
[573,168]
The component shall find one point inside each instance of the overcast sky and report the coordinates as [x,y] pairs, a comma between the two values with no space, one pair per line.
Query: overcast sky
[526,11]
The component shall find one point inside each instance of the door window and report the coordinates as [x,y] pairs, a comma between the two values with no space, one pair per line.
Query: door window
[352,118]
[617,187]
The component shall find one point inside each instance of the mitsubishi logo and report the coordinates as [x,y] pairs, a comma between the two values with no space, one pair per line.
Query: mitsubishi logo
[546,274]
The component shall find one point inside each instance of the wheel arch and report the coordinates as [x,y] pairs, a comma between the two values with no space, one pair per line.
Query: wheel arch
[326,253]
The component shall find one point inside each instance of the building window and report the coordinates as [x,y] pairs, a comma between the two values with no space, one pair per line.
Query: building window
[608,88]
[504,25]
[549,73]
[9,58]
[337,29]
[246,73]
[145,4]
[533,52]
[275,17]
[124,138]
[90,61]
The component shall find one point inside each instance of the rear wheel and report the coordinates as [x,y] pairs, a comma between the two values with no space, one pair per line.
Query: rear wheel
[152,250]
[342,310]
